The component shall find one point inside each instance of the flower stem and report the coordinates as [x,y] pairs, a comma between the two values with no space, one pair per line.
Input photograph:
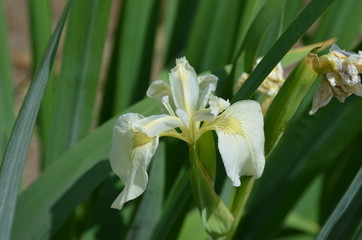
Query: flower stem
[239,199]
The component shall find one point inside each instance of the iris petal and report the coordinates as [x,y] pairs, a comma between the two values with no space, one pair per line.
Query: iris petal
[241,140]
[130,155]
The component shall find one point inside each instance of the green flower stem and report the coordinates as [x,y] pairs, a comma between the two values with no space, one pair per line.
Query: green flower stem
[238,201]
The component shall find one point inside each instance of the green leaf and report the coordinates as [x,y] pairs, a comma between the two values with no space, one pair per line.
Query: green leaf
[78,81]
[258,29]
[216,218]
[211,44]
[289,96]
[14,159]
[305,214]
[179,16]
[250,11]
[220,40]
[130,69]
[149,211]
[297,54]
[305,19]
[304,151]
[47,203]
[341,21]
[40,30]
[192,227]
[345,221]
[175,207]
[339,176]
[7,117]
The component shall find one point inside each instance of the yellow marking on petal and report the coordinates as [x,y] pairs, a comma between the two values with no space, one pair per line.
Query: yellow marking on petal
[228,124]
[140,139]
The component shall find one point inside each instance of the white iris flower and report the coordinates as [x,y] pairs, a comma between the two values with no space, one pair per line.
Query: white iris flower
[192,110]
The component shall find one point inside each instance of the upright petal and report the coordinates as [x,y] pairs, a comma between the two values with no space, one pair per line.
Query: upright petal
[130,155]
[241,140]
[184,86]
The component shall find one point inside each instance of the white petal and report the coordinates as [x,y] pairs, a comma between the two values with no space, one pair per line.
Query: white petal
[184,86]
[205,97]
[322,96]
[218,105]
[166,103]
[204,116]
[206,81]
[241,140]
[184,117]
[156,124]
[159,89]
[130,155]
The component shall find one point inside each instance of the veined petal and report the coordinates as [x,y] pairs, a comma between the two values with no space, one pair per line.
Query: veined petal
[156,124]
[130,155]
[241,140]
[184,86]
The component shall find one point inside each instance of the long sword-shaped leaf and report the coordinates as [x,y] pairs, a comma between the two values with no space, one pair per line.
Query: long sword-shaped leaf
[129,73]
[40,25]
[179,16]
[14,159]
[258,29]
[78,81]
[47,203]
[339,176]
[345,221]
[211,44]
[342,21]
[299,26]
[6,90]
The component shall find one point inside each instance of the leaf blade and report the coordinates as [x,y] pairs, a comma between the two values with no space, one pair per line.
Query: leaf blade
[13,163]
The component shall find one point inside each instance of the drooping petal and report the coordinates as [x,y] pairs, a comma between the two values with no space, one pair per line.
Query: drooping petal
[156,124]
[241,140]
[184,86]
[130,155]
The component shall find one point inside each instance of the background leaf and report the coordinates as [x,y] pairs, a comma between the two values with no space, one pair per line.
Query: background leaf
[130,68]
[77,85]
[345,221]
[281,47]
[13,163]
[40,22]
[6,90]
[47,203]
